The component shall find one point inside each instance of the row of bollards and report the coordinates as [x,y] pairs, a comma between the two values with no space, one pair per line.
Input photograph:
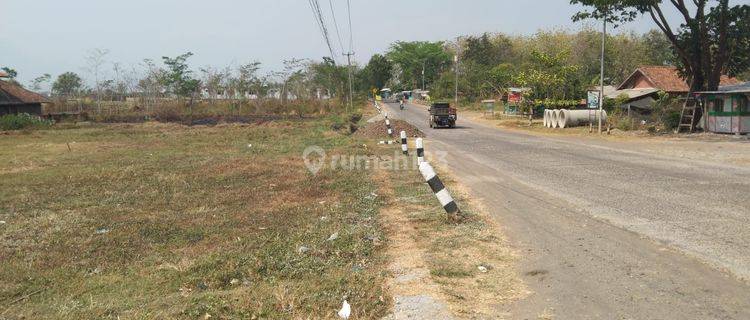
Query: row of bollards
[428,173]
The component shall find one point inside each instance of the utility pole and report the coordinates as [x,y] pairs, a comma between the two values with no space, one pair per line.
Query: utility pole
[423,63]
[601,76]
[455,62]
[349,61]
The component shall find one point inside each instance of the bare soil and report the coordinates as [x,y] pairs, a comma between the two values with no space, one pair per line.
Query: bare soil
[377,130]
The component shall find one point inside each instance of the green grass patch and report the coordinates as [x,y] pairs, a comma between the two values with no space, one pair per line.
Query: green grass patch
[22,121]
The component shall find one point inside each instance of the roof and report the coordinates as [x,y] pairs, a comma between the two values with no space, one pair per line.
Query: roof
[737,88]
[665,78]
[3,74]
[607,89]
[631,93]
[11,94]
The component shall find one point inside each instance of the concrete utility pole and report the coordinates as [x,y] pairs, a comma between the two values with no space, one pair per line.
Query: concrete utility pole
[349,61]
[423,64]
[601,76]
[455,62]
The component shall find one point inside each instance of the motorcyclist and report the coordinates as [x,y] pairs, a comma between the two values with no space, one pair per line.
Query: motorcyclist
[401,104]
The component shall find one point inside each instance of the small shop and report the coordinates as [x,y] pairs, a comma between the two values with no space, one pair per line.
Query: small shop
[727,109]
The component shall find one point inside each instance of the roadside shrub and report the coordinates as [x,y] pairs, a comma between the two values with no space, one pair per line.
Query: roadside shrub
[672,120]
[626,123]
[22,121]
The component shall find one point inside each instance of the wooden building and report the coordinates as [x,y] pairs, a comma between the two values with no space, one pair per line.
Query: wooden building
[14,99]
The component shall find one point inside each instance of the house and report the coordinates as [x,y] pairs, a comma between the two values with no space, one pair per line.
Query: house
[642,87]
[15,99]
[663,78]
[728,109]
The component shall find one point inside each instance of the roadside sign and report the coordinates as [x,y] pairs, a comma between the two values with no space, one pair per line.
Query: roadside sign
[593,99]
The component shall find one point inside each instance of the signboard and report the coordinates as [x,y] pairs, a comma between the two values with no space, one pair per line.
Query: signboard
[593,99]
[515,97]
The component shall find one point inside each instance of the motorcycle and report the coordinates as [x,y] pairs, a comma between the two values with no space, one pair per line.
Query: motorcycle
[401,105]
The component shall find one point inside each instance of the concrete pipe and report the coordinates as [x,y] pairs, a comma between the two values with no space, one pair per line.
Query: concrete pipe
[573,118]
[562,119]
[544,121]
[547,116]
[555,116]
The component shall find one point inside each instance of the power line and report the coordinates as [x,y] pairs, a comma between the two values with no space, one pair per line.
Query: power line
[318,15]
[351,36]
[336,24]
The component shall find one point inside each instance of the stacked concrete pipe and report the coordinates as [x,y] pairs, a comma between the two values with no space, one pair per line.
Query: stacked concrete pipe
[555,118]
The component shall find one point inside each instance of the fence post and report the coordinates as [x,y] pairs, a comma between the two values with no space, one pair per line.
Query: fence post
[420,150]
[442,194]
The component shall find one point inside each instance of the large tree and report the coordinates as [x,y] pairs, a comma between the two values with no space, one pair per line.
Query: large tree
[712,39]
[67,84]
[412,57]
[377,72]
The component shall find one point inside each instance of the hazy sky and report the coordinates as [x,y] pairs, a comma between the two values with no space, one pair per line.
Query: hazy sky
[53,36]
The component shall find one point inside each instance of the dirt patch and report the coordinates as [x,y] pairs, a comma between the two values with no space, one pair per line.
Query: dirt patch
[416,295]
[379,130]
[466,267]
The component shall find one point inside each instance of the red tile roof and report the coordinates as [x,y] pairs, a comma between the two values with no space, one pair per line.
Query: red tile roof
[665,78]
[3,74]
[14,94]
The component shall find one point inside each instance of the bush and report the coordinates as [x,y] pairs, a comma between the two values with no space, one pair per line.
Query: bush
[22,121]
[672,120]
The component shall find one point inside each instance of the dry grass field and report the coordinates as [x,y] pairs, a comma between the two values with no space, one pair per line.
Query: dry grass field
[170,221]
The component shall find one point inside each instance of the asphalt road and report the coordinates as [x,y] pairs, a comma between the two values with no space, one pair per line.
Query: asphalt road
[604,233]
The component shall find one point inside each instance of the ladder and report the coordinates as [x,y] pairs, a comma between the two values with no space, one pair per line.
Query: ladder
[687,116]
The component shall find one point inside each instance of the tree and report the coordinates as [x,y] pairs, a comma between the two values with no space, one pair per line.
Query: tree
[67,84]
[413,57]
[247,80]
[291,76]
[94,60]
[36,84]
[486,51]
[378,71]
[328,75]
[216,81]
[710,40]
[658,48]
[12,74]
[178,77]
[549,76]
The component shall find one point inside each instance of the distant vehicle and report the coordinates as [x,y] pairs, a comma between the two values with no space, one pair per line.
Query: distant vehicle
[442,115]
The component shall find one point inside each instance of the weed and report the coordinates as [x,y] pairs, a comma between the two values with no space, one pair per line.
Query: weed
[22,121]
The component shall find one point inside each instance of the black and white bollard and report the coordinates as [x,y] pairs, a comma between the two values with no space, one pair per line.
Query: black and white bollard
[404,146]
[420,150]
[388,125]
[438,188]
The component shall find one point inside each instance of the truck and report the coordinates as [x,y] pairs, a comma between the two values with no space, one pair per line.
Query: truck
[442,115]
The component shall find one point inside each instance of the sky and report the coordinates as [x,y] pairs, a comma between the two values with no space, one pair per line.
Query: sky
[54,36]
